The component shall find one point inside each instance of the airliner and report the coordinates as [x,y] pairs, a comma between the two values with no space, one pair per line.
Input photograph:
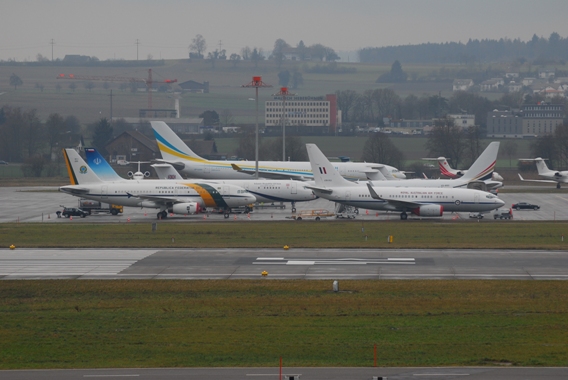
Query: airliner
[421,201]
[554,176]
[177,197]
[177,153]
[264,190]
[473,178]
[447,171]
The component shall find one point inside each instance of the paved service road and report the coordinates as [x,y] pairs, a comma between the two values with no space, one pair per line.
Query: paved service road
[39,204]
[280,264]
[416,373]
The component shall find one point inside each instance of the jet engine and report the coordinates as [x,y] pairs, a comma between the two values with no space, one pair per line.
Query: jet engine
[130,174]
[186,208]
[429,210]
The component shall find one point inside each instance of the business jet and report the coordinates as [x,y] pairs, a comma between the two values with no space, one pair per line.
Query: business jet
[177,153]
[177,197]
[473,178]
[264,190]
[447,171]
[421,201]
[554,176]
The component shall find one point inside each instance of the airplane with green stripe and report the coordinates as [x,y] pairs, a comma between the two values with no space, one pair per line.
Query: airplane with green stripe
[177,197]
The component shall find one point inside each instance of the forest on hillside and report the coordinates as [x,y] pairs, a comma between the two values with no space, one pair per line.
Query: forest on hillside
[538,50]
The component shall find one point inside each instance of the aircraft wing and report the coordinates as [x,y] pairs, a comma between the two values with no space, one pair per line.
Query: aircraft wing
[157,199]
[320,189]
[271,175]
[374,175]
[395,202]
[537,180]
[73,189]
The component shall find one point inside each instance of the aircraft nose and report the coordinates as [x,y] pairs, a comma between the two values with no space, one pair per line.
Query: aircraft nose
[500,202]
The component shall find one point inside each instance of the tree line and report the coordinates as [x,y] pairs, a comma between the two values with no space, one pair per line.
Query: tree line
[373,106]
[539,50]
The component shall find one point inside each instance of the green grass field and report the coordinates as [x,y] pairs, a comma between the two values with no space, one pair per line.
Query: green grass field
[347,234]
[105,324]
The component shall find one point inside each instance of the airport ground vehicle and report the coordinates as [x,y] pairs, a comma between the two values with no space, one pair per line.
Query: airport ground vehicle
[525,206]
[313,214]
[73,211]
[476,215]
[503,214]
[97,207]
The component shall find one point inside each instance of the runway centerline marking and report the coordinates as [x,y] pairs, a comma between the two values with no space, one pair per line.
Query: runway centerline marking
[341,261]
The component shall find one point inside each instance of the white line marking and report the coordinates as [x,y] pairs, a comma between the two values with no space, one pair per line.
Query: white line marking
[111,375]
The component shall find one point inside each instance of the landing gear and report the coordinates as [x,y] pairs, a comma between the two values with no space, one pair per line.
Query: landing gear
[293,204]
[558,185]
[403,216]
[162,214]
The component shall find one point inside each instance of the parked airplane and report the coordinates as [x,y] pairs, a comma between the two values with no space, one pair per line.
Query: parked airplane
[178,197]
[554,176]
[447,171]
[422,201]
[177,153]
[264,190]
[473,178]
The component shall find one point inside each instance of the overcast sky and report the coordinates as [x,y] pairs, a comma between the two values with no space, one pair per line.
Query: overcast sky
[109,29]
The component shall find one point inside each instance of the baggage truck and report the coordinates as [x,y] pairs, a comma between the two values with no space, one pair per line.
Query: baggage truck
[96,207]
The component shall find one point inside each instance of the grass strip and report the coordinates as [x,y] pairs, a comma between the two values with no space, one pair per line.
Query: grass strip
[308,234]
[161,323]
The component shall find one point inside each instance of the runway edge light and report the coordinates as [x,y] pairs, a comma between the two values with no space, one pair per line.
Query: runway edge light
[12,246]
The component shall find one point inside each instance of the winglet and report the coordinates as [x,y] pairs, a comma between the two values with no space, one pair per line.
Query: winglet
[374,194]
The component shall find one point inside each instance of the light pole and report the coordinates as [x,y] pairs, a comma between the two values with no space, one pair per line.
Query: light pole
[256,83]
[283,93]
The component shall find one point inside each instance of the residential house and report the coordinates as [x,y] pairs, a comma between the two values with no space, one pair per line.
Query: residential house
[462,84]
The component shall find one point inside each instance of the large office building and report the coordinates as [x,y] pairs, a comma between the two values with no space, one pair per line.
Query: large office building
[318,114]
[529,121]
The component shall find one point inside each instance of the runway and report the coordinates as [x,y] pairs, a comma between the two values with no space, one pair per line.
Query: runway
[303,373]
[305,264]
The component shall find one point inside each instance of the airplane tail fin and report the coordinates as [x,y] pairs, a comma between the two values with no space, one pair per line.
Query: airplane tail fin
[446,169]
[100,166]
[541,166]
[325,174]
[170,145]
[79,172]
[482,168]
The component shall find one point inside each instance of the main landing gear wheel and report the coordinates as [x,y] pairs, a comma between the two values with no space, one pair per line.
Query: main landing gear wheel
[403,216]
[162,215]
[226,215]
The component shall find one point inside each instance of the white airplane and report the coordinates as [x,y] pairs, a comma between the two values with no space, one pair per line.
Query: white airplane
[473,178]
[263,189]
[554,176]
[178,197]
[177,153]
[447,171]
[422,201]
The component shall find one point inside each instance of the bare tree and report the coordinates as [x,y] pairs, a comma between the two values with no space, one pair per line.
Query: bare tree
[15,81]
[446,140]
[509,149]
[380,149]
[226,117]
[198,45]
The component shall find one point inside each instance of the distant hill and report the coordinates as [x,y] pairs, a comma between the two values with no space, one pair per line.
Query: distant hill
[538,50]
